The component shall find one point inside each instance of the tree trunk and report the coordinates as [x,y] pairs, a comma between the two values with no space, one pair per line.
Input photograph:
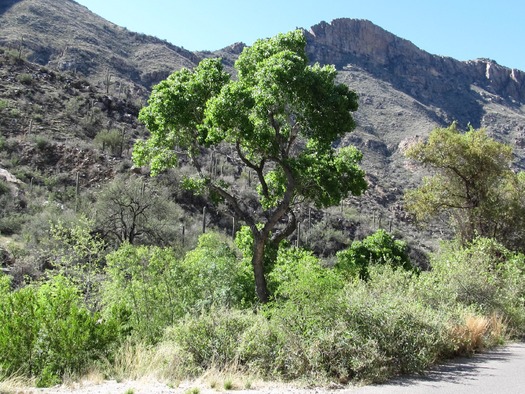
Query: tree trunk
[261,288]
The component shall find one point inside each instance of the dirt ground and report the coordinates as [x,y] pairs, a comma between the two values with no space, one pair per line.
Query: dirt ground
[155,387]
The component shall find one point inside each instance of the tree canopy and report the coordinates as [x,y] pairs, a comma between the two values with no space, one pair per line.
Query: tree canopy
[473,183]
[279,119]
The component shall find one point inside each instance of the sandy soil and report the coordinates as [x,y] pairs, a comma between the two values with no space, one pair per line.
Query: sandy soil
[154,387]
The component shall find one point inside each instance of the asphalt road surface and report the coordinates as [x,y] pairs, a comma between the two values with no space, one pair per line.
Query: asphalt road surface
[498,371]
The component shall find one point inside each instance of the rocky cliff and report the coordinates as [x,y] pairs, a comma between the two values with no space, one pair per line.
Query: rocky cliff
[433,80]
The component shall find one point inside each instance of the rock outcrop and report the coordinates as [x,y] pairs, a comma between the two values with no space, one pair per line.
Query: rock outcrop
[433,80]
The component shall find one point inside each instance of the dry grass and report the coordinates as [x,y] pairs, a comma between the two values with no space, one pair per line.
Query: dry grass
[91,378]
[15,384]
[477,333]
[230,378]
[140,362]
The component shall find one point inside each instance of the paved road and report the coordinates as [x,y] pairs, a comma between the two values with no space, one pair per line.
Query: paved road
[498,371]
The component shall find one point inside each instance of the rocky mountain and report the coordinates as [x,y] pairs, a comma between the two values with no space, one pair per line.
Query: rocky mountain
[404,91]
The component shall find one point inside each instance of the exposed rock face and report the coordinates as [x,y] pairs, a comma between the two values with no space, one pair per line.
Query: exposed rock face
[433,80]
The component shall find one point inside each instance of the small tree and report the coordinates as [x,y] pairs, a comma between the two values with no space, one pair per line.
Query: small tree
[473,183]
[280,120]
[130,210]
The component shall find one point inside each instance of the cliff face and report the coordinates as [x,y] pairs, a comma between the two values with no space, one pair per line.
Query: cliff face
[433,80]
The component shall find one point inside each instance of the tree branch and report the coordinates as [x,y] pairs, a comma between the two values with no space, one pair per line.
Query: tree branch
[234,204]
[278,236]
[257,168]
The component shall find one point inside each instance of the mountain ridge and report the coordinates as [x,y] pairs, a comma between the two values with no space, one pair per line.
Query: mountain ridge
[414,71]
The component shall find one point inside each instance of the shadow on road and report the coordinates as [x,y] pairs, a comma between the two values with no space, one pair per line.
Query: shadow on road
[459,370]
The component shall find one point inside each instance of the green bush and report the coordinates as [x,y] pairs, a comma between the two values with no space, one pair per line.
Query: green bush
[216,276]
[483,275]
[113,140]
[318,327]
[321,325]
[145,283]
[212,339]
[378,248]
[46,331]
[4,188]
[11,222]
[42,142]
[3,105]
[26,79]
[158,288]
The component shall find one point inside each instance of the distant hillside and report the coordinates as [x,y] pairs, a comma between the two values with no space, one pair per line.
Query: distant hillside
[404,91]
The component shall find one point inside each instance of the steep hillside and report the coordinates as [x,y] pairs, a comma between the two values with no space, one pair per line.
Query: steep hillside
[68,37]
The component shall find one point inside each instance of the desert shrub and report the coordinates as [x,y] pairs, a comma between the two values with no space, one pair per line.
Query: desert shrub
[4,188]
[320,325]
[112,140]
[409,335]
[378,248]
[130,209]
[42,142]
[11,223]
[216,276]
[483,275]
[46,331]
[145,283]
[362,331]
[75,252]
[26,79]
[158,288]
[11,213]
[212,338]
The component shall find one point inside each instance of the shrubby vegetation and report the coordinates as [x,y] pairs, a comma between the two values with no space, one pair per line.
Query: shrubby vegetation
[321,324]
[46,330]
[378,248]
[106,282]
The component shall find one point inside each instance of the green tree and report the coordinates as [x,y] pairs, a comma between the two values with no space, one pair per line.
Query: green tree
[472,183]
[279,119]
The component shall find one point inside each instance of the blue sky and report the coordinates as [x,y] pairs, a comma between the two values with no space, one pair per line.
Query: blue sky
[462,29]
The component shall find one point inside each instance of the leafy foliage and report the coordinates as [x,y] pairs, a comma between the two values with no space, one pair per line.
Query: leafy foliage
[144,283]
[156,288]
[378,248]
[482,274]
[77,254]
[215,275]
[46,331]
[473,184]
[113,140]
